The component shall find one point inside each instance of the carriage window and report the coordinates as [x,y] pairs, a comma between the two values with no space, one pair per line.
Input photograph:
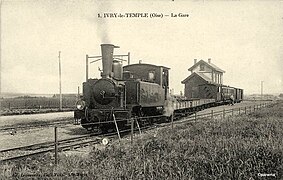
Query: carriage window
[151,76]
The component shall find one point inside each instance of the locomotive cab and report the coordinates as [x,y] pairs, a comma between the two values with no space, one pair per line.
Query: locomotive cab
[146,90]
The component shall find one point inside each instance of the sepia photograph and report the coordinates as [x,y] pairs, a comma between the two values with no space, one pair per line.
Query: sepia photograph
[153,89]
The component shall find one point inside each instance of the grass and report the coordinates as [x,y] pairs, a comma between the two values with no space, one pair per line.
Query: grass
[234,148]
[9,112]
[33,105]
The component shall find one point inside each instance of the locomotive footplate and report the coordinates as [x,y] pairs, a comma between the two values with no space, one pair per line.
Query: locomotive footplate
[105,116]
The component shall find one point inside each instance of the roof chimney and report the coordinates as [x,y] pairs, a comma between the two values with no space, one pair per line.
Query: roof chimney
[195,61]
[209,60]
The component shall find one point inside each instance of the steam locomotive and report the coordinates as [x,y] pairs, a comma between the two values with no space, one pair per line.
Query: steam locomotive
[134,90]
[122,92]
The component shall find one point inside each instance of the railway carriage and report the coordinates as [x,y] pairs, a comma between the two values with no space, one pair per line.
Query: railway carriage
[239,95]
[221,93]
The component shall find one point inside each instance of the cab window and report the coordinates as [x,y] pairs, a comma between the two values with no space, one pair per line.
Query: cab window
[165,80]
[151,76]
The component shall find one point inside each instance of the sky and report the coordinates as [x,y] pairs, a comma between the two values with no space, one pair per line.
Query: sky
[244,38]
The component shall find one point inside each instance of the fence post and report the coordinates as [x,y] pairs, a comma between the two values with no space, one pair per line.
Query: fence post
[232,112]
[254,108]
[132,130]
[211,114]
[172,120]
[56,145]
[239,111]
[223,113]
[116,127]
[138,125]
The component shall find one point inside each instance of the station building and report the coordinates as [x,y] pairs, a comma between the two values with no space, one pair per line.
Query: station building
[202,72]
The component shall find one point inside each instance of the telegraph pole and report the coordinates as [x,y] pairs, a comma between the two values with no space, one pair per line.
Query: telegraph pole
[60,87]
[0,46]
[261,90]
[0,51]
[78,93]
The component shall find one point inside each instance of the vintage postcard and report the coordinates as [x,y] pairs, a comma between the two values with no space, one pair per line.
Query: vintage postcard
[153,89]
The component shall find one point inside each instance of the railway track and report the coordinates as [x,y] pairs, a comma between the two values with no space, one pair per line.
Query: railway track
[94,138]
[62,145]
[34,125]
[39,148]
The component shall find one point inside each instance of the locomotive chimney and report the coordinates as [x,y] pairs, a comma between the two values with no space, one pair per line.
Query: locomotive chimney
[209,60]
[195,61]
[107,59]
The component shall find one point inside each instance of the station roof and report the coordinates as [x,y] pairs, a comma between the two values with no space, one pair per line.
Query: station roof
[208,64]
[202,76]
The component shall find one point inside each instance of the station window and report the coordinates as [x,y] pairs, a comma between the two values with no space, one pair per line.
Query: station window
[201,67]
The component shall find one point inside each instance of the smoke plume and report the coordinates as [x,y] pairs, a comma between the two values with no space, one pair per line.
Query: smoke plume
[169,105]
[101,22]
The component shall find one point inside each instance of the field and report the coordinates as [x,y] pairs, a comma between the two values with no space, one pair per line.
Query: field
[240,147]
[32,105]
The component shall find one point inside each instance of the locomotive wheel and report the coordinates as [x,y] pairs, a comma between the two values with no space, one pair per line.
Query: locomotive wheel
[167,119]
[89,127]
[96,130]
[85,124]
[141,118]
[107,128]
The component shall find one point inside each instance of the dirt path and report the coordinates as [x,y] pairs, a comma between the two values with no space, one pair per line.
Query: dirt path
[39,135]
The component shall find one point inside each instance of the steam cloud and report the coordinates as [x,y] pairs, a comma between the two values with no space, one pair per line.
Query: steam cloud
[101,23]
[169,106]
